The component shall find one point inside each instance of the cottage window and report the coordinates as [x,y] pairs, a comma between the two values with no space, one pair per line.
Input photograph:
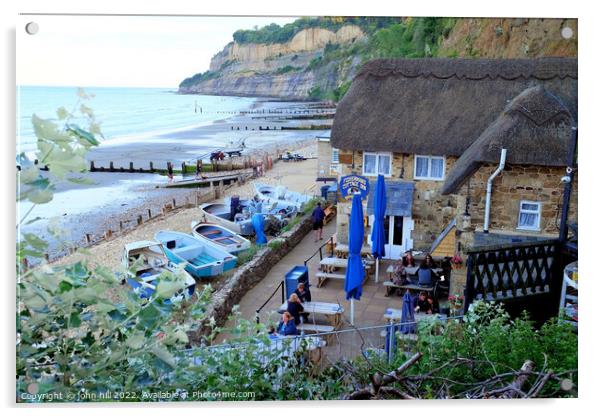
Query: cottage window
[429,167]
[529,215]
[335,156]
[377,164]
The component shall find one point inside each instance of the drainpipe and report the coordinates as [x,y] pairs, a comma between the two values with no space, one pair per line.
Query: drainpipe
[499,169]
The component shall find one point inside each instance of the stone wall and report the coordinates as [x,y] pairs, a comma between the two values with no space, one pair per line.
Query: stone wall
[432,211]
[514,184]
[247,276]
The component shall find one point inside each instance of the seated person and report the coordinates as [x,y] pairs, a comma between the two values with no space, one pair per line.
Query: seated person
[426,276]
[272,334]
[400,274]
[302,293]
[287,325]
[295,308]
[424,304]
[428,260]
[408,259]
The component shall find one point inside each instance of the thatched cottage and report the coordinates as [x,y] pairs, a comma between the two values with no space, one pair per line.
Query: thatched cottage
[436,129]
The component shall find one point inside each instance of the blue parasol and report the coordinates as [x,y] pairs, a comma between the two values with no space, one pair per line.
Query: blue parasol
[378,227]
[354,277]
[258,226]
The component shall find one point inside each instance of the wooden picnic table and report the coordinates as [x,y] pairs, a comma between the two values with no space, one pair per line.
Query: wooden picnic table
[411,287]
[332,311]
[328,264]
[343,249]
[411,271]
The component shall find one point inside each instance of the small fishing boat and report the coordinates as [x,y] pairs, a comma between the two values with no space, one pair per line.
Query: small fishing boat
[201,259]
[220,237]
[221,214]
[282,195]
[145,261]
[281,209]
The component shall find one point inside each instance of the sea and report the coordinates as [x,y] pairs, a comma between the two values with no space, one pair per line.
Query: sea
[123,112]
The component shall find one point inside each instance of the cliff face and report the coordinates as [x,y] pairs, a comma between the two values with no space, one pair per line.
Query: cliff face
[276,70]
[320,63]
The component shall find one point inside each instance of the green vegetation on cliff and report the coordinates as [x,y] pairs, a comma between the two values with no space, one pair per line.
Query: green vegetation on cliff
[280,34]
[332,67]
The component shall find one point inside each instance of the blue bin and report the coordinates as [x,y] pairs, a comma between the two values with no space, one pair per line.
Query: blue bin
[295,276]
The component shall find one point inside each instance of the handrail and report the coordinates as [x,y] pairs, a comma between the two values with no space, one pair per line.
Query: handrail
[281,287]
[319,250]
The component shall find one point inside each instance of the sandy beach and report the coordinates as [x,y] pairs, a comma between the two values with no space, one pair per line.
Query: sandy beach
[297,176]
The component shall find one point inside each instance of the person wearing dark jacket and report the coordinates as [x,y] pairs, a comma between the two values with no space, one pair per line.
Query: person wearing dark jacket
[317,217]
[287,325]
[302,293]
[295,308]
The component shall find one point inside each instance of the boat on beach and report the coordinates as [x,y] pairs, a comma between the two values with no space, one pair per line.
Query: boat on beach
[220,237]
[282,195]
[145,261]
[221,214]
[200,258]
[281,209]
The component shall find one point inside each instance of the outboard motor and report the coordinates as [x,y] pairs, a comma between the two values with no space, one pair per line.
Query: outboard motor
[235,207]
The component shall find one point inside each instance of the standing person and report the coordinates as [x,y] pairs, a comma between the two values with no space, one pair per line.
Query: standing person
[199,169]
[295,308]
[169,172]
[287,325]
[318,221]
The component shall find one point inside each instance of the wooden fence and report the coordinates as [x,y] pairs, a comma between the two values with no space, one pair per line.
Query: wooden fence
[522,276]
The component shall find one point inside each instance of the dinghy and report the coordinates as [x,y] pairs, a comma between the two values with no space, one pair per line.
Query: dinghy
[221,214]
[148,260]
[201,259]
[282,195]
[220,237]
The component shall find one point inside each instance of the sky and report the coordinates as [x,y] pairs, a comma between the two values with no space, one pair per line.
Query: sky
[123,51]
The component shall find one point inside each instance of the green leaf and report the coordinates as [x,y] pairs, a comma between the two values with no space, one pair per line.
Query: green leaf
[136,341]
[81,93]
[35,241]
[47,130]
[74,320]
[33,220]
[62,161]
[164,355]
[104,307]
[42,196]
[167,288]
[62,113]
[82,181]
[84,109]
[86,136]
[29,175]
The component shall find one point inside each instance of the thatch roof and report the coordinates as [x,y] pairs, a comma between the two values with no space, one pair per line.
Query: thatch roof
[440,106]
[535,127]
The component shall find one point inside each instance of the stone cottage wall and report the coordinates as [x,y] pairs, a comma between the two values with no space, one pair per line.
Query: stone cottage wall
[516,183]
[431,211]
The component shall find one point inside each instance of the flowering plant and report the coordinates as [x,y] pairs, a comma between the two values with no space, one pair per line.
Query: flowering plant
[456,261]
[456,301]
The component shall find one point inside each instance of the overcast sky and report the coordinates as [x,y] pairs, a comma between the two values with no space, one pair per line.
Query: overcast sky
[123,51]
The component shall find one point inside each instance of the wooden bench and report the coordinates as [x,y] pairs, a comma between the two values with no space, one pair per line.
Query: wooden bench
[389,286]
[317,328]
[329,214]
[322,276]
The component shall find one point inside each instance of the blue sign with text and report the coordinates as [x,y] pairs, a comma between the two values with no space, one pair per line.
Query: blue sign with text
[351,184]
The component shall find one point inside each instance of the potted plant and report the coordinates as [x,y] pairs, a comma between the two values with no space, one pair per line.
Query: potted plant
[456,304]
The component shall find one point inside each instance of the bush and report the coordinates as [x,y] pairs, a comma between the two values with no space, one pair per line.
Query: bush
[247,256]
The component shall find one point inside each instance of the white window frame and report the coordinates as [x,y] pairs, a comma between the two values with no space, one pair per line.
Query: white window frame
[378,155]
[335,160]
[430,158]
[520,210]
